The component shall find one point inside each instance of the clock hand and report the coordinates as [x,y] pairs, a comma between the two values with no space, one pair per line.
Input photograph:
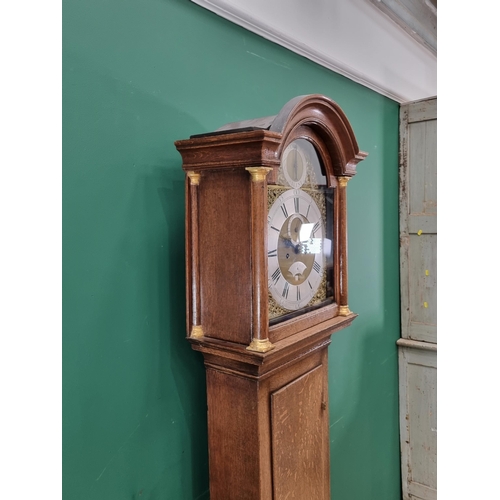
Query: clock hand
[290,244]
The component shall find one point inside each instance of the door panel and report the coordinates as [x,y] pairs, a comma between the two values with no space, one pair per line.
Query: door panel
[418,419]
[418,220]
[300,458]
[418,345]
[422,289]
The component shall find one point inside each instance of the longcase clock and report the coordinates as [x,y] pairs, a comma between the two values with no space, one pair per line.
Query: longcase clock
[266,261]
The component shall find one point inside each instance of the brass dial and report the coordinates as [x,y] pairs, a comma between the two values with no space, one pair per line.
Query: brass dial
[296,232]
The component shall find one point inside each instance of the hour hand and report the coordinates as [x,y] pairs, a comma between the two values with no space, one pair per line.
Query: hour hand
[290,244]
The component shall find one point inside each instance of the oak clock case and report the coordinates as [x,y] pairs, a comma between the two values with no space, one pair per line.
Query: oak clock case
[266,287]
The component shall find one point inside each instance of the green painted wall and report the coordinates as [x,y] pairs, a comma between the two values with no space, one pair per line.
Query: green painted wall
[137,75]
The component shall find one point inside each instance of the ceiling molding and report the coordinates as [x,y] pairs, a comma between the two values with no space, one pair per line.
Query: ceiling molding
[398,52]
[417,17]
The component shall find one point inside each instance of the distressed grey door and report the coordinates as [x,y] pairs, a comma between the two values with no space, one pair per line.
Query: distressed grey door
[418,345]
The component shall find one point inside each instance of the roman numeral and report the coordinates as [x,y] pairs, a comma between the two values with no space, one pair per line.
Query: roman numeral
[316,267]
[307,213]
[309,283]
[276,276]
[316,227]
[276,229]
[298,293]
[272,253]
[296,205]
[285,290]
[285,212]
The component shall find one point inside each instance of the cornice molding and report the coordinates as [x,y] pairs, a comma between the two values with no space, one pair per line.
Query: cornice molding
[259,26]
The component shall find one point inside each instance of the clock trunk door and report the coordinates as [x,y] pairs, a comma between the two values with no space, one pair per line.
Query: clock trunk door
[300,455]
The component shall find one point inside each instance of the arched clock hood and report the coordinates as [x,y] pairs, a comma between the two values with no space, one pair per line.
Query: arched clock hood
[322,115]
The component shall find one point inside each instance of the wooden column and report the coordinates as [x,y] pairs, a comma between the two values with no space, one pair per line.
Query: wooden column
[342,193]
[193,264]
[260,313]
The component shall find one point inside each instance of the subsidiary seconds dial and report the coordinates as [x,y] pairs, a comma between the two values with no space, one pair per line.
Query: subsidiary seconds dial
[295,249]
[294,165]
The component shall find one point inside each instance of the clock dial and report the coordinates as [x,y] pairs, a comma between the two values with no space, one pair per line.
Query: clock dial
[295,249]
[294,164]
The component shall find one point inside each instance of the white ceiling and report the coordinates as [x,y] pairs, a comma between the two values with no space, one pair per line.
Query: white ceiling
[352,37]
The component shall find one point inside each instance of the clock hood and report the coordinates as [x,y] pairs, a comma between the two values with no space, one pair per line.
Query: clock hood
[321,114]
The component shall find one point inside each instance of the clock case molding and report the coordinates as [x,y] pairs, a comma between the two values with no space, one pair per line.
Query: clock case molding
[249,363]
